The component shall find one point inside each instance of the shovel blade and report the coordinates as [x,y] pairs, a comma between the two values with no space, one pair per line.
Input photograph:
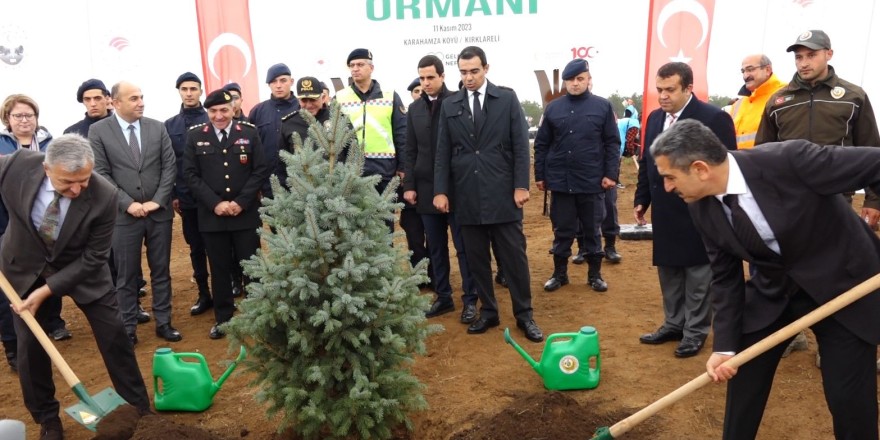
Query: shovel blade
[91,409]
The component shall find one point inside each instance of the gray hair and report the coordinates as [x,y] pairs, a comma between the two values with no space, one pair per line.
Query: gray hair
[765,60]
[71,151]
[687,141]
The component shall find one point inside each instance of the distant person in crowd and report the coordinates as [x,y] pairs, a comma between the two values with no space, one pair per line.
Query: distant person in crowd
[135,154]
[235,91]
[577,162]
[20,115]
[95,97]
[481,173]
[679,254]
[415,89]
[225,166]
[266,116]
[191,113]
[760,84]
[58,242]
[742,204]
[422,124]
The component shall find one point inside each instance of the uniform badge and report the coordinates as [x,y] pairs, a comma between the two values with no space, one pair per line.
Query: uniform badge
[402,109]
[242,141]
[243,159]
[837,92]
[782,99]
[805,36]
[205,130]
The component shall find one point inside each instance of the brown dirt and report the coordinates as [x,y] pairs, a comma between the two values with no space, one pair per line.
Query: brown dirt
[478,387]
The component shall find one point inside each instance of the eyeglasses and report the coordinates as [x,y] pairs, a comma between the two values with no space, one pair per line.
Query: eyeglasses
[360,65]
[23,116]
[750,69]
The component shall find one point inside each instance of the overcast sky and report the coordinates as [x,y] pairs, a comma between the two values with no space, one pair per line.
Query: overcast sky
[152,42]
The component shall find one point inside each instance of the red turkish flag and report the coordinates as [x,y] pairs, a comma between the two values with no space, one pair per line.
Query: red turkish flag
[227,48]
[678,30]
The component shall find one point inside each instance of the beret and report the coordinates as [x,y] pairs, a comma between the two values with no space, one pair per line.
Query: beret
[90,84]
[277,70]
[218,97]
[359,54]
[575,68]
[188,76]
[415,83]
[232,86]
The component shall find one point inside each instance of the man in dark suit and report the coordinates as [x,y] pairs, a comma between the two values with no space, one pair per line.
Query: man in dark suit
[779,207]
[418,189]
[224,165]
[61,223]
[135,154]
[482,165]
[682,264]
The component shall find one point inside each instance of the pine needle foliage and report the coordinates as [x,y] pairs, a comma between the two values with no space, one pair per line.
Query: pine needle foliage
[334,317]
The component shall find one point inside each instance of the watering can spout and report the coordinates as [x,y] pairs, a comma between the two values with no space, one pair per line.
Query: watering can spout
[520,350]
[225,375]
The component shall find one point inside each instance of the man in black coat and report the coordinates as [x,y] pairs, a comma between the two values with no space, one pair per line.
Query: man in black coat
[418,189]
[779,207]
[482,165]
[682,264]
[225,166]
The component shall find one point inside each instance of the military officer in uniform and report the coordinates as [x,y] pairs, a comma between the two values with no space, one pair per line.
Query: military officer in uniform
[225,166]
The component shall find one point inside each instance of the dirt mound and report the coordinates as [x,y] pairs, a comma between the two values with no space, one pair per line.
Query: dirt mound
[551,415]
[125,423]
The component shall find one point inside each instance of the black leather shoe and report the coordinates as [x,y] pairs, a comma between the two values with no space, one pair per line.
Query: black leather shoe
[468,313]
[216,333]
[555,282]
[501,279]
[531,329]
[52,430]
[660,336]
[61,334]
[688,347]
[482,324]
[440,307]
[579,259]
[168,333]
[612,256]
[133,337]
[201,306]
[12,360]
[142,316]
[597,283]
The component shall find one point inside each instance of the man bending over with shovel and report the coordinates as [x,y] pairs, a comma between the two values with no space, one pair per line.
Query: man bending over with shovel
[61,219]
[779,208]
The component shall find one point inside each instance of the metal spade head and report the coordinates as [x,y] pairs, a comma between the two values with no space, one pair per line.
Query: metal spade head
[91,409]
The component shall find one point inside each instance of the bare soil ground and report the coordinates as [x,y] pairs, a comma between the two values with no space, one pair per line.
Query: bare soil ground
[477,386]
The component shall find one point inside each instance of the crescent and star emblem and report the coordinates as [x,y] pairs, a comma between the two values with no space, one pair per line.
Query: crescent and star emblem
[229,39]
[692,7]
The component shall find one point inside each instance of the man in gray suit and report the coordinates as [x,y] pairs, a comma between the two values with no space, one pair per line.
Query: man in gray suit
[58,240]
[135,154]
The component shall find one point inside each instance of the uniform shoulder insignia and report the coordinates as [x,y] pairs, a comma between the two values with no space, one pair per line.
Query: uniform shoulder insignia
[198,125]
[289,115]
[247,123]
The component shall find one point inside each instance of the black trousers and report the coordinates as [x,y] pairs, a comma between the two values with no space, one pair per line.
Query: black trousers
[849,378]
[568,213]
[610,225]
[35,367]
[198,256]
[511,251]
[416,237]
[221,246]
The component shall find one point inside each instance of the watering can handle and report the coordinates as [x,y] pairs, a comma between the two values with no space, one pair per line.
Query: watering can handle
[556,336]
[41,336]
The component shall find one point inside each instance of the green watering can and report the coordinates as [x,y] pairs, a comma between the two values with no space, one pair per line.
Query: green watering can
[567,358]
[183,382]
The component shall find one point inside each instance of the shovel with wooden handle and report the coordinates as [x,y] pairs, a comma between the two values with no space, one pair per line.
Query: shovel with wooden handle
[91,408]
[822,312]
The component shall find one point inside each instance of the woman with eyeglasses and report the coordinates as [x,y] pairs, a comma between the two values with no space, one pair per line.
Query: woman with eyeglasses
[21,129]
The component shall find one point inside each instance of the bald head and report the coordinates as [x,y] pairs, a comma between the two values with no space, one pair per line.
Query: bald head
[756,70]
[128,101]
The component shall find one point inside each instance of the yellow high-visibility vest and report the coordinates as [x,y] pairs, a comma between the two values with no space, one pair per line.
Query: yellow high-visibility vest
[372,122]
